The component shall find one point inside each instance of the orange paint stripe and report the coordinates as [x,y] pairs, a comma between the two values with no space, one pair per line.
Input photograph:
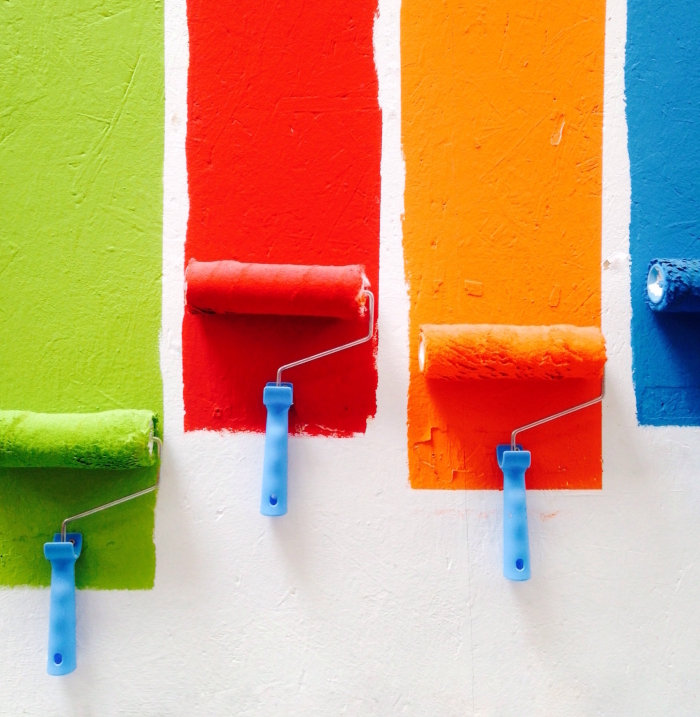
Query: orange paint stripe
[502,135]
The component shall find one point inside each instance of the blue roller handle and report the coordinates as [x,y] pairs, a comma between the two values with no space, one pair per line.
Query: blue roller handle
[277,399]
[61,659]
[516,542]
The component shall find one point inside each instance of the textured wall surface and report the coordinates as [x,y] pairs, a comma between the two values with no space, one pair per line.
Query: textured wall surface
[370,598]
[502,115]
[663,101]
[283,153]
[81,164]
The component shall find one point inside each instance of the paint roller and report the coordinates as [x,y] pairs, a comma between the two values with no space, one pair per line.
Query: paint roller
[114,440]
[461,352]
[673,285]
[232,287]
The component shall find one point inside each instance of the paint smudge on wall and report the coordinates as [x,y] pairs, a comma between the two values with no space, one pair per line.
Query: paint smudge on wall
[81,177]
[283,154]
[502,134]
[662,80]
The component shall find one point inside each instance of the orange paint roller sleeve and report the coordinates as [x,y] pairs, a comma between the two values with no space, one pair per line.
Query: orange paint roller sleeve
[232,287]
[499,351]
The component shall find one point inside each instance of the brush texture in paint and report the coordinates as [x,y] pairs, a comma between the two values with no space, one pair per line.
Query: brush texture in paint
[232,287]
[491,351]
[115,440]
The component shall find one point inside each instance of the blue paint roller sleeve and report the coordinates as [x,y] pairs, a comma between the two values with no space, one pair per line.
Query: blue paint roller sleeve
[62,555]
[516,541]
[673,285]
[277,400]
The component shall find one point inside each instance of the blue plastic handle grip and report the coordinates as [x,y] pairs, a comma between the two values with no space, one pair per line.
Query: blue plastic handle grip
[277,399]
[61,659]
[516,542]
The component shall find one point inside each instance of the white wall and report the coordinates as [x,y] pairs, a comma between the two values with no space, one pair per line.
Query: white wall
[369,598]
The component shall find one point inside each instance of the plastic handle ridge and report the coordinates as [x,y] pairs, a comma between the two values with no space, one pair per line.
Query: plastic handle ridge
[277,400]
[62,555]
[516,541]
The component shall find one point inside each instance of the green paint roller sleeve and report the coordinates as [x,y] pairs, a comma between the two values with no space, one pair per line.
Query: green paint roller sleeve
[108,439]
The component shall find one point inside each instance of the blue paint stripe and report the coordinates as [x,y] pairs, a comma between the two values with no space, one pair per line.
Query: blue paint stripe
[662,77]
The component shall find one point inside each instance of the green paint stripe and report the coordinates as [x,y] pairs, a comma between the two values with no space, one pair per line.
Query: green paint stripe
[81,161]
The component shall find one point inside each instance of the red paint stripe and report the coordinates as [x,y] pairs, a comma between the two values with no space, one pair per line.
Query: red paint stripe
[283,154]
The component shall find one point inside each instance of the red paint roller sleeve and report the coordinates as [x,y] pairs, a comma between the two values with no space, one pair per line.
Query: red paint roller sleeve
[499,351]
[232,287]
